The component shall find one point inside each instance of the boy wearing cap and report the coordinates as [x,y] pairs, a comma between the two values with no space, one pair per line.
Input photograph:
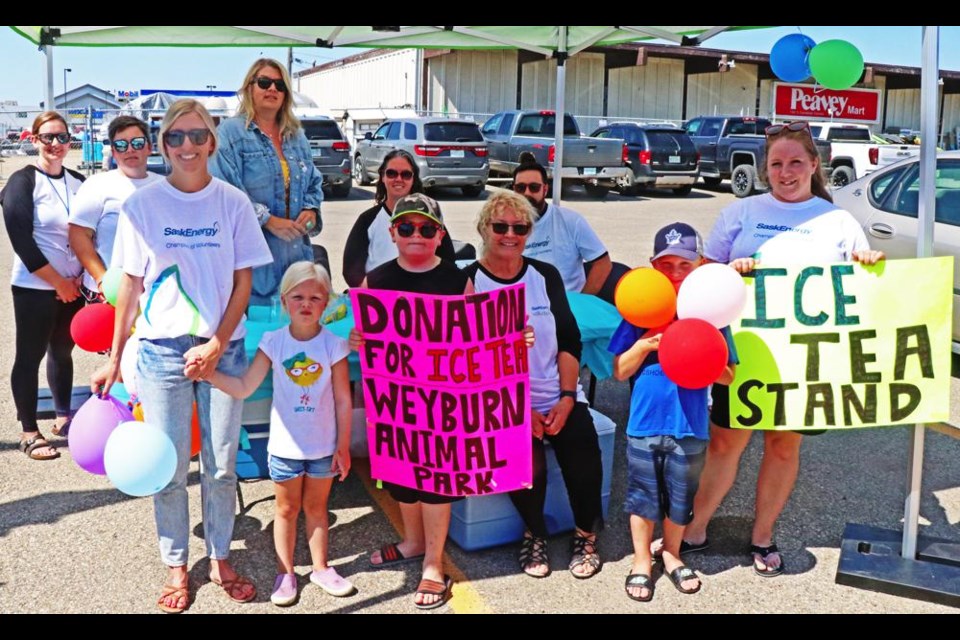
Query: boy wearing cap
[667,431]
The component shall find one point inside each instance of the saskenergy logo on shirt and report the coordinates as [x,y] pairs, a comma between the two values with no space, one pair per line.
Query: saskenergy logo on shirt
[201,232]
[781,228]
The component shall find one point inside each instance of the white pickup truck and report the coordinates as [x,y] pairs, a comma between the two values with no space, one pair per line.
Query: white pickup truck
[853,153]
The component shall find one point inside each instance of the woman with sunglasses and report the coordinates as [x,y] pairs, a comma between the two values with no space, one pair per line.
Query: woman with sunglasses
[93,220]
[187,246]
[264,152]
[370,244]
[46,280]
[559,407]
[796,222]
[416,227]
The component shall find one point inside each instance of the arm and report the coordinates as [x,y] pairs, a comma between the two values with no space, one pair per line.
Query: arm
[728,375]
[127,305]
[313,196]
[207,355]
[243,387]
[81,241]
[628,363]
[357,249]
[599,272]
[556,418]
[344,405]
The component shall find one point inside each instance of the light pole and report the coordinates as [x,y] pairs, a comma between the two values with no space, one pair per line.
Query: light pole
[211,87]
[65,72]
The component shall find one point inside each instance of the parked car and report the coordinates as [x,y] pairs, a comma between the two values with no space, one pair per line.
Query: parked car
[660,155]
[331,154]
[886,203]
[27,148]
[595,163]
[853,151]
[449,152]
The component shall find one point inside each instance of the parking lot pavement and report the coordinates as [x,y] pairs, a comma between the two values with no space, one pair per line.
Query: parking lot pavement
[70,543]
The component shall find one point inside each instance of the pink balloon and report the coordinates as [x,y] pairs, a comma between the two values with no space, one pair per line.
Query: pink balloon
[91,428]
[693,353]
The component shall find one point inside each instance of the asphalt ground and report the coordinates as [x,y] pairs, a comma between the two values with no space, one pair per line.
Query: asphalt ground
[70,543]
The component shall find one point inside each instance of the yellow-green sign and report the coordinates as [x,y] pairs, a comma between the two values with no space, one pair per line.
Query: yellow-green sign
[843,345]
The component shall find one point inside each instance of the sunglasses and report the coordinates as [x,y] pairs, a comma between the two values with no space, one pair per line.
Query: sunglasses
[427,229]
[264,83]
[533,187]
[393,174]
[777,129]
[176,137]
[137,144]
[48,138]
[501,228]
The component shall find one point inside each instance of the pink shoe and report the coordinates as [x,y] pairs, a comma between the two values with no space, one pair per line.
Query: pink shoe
[284,590]
[331,582]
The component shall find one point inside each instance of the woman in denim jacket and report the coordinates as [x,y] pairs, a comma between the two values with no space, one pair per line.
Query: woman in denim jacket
[264,152]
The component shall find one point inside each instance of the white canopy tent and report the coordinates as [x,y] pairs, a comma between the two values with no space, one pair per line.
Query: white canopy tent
[558,42]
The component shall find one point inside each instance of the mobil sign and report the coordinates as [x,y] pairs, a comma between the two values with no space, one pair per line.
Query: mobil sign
[806,101]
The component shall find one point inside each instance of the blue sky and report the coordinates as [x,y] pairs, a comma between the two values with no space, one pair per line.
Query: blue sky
[174,68]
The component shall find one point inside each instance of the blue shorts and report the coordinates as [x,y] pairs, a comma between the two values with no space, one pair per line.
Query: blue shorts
[663,475]
[283,469]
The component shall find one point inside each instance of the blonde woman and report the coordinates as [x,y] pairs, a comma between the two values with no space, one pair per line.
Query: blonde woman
[187,246]
[264,152]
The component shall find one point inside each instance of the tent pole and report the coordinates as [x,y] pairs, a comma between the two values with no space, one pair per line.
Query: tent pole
[929,74]
[561,116]
[48,53]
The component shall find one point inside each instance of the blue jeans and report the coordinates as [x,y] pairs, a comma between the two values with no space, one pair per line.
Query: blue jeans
[168,397]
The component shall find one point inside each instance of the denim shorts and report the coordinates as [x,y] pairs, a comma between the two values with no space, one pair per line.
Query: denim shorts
[283,469]
[663,475]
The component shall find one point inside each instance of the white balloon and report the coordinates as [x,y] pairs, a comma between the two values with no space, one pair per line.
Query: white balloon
[128,364]
[713,292]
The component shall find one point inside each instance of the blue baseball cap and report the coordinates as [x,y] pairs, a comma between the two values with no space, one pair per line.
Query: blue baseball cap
[678,239]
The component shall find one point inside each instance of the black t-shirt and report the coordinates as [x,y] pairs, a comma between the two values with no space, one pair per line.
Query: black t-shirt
[444,279]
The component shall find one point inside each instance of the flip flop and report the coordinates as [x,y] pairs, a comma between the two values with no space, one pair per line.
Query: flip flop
[390,555]
[764,553]
[231,586]
[639,580]
[175,592]
[432,587]
[656,547]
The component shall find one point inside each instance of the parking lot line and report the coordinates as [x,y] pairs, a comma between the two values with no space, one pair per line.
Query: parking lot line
[466,599]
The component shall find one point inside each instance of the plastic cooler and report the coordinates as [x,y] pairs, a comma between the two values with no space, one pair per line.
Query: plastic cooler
[488,521]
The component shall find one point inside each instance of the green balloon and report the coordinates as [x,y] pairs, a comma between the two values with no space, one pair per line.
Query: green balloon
[836,64]
[111,285]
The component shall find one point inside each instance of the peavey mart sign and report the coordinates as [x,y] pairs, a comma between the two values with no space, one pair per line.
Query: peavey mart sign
[838,346]
[804,101]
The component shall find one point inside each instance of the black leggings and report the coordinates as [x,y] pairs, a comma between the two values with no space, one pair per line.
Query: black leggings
[578,456]
[43,327]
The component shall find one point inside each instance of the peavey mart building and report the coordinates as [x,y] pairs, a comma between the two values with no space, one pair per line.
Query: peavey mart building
[651,82]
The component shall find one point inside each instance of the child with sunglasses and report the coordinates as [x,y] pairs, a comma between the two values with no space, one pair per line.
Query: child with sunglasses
[417,229]
[93,219]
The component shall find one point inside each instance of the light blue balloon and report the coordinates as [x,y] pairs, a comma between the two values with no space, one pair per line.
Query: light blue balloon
[789,57]
[139,458]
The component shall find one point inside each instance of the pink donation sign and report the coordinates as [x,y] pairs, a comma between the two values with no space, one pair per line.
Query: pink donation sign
[447,389]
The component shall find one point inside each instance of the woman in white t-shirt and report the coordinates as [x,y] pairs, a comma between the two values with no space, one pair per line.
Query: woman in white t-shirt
[187,246]
[796,222]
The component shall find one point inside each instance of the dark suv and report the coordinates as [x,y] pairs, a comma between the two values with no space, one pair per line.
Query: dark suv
[331,154]
[658,155]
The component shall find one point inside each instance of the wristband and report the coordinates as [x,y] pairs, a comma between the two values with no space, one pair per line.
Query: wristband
[569,394]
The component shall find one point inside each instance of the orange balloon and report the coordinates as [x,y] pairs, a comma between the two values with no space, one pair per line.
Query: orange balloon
[138,412]
[646,298]
[194,427]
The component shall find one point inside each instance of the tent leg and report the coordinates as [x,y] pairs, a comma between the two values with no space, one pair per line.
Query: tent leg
[48,52]
[561,116]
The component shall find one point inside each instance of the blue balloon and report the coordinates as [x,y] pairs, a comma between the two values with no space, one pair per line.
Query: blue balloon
[140,459]
[789,57]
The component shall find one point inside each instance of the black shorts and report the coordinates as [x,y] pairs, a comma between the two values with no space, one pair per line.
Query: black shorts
[406,495]
[720,410]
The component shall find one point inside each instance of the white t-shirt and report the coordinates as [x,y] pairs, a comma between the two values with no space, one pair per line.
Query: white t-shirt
[563,238]
[186,247]
[382,248]
[303,418]
[97,207]
[813,231]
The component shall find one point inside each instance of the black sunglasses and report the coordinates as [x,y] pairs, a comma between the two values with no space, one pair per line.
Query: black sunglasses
[48,138]
[137,144]
[427,229]
[406,174]
[501,228]
[777,129]
[264,83]
[176,137]
[533,187]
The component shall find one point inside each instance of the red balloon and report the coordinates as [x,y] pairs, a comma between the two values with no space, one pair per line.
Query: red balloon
[92,327]
[693,353]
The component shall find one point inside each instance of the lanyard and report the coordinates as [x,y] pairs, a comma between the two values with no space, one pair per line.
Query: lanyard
[66,189]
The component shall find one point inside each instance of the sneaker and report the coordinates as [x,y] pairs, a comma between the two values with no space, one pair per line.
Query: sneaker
[284,590]
[331,582]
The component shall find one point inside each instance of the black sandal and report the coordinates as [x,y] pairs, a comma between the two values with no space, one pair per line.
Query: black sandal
[585,553]
[533,551]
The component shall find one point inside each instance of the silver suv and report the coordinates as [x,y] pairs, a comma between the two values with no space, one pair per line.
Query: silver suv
[331,154]
[449,152]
